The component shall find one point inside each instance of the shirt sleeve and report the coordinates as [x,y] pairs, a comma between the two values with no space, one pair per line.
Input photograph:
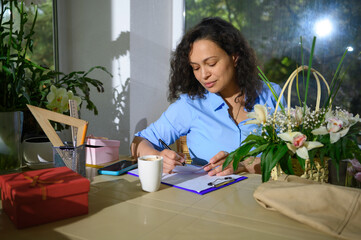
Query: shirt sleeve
[172,124]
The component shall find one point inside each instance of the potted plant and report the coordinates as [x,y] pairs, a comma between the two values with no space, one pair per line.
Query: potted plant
[24,82]
[301,140]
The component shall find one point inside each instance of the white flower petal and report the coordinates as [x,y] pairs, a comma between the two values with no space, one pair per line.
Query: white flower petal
[334,137]
[302,152]
[53,89]
[356,118]
[61,91]
[288,136]
[313,144]
[251,115]
[261,112]
[328,115]
[70,94]
[320,131]
[343,132]
[50,97]
[285,137]
[77,100]
[291,147]
[65,102]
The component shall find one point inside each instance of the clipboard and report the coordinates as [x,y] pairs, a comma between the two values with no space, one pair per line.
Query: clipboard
[196,182]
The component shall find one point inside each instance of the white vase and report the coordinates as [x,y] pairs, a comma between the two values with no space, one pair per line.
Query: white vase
[37,152]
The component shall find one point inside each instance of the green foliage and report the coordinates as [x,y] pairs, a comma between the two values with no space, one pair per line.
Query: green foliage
[43,49]
[78,82]
[279,69]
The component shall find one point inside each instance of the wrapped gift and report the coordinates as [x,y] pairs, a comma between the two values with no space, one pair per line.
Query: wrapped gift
[42,196]
[103,151]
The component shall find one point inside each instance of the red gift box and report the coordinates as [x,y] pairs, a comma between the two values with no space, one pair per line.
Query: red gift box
[42,196]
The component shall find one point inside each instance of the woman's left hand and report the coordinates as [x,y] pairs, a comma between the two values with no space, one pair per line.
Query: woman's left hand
[215,165]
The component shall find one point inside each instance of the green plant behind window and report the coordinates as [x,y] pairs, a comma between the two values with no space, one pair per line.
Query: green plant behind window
[22,81]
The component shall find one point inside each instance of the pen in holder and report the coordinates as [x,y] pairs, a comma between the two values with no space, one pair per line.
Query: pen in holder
[71,157]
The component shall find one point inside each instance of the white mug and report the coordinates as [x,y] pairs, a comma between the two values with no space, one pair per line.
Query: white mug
[150,168]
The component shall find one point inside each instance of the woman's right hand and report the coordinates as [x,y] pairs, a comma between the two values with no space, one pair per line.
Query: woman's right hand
[171,159]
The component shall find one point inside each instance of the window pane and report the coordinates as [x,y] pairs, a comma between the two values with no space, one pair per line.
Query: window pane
[274,27]
[43,37]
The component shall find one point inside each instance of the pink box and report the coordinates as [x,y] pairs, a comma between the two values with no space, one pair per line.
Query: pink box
[99,155]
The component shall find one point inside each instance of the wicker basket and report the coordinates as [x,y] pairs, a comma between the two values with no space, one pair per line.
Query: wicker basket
[317,171]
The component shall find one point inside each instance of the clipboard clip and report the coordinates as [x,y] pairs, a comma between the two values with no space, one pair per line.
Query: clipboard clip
[221,181]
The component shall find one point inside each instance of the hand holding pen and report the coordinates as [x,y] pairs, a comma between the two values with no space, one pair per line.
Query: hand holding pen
[177,157]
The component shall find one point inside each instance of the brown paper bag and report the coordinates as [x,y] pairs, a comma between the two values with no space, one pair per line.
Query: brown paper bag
[333,209]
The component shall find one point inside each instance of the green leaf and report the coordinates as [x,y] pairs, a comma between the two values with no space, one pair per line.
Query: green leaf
[229,159]
[281,150]
[286,164]
[337,166]
[242,151]
[303,72]
[268,83]
[252,137]
[271,156]
[334,83]
[263,164]
[302,162]
[267,164]
[238,155]
[258,150]
[309,69]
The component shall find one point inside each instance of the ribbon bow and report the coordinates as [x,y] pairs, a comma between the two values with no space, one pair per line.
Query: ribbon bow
[36,182]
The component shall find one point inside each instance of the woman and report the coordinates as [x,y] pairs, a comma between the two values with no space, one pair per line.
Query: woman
[214,84]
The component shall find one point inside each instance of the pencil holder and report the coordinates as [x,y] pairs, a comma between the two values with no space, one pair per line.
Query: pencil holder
[73,158]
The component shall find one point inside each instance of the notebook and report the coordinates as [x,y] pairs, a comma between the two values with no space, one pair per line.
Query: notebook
[193,179]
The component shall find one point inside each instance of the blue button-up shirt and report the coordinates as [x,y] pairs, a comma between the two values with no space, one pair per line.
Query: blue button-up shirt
[207,124]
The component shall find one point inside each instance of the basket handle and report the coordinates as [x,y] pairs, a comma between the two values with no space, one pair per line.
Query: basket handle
[290,80]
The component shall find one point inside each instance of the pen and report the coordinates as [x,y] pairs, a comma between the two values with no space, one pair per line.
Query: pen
[225,180]
[206,165]
[167,147]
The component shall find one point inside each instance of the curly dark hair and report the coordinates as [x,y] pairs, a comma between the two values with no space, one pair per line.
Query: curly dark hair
[230,39]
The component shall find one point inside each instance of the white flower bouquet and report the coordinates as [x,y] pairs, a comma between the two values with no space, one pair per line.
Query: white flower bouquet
[58,99]
[299,140]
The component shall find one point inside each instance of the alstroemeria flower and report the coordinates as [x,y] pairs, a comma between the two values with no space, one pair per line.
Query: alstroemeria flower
[336,127]
[334,124]
[58,99]
[355,164]
[357,176]
[259,115]
[355,169]
[296,142]
[355,119]
[298,113]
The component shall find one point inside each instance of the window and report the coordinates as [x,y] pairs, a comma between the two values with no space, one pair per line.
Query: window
[43,51]
[273,28]
[43,38]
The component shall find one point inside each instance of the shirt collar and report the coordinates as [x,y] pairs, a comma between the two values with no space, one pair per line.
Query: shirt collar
[216,101]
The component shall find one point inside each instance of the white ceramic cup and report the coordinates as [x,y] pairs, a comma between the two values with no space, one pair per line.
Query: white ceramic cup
[150,168]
